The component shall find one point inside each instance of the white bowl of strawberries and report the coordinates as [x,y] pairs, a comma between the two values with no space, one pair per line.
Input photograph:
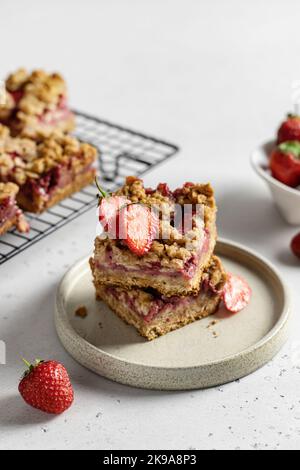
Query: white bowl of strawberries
[278,164]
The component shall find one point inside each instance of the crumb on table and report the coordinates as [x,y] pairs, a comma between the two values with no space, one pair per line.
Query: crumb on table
[81,312]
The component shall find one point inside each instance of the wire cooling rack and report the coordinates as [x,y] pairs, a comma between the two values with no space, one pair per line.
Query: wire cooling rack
[123,152]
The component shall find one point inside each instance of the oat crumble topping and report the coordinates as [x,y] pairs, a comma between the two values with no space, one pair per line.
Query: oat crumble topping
[175,251]
[36,103]
[8,190]
[216,275]
[40,90]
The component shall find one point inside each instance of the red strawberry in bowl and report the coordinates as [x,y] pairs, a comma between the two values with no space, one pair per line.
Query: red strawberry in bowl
[289,129]
[47,387]
[285,163]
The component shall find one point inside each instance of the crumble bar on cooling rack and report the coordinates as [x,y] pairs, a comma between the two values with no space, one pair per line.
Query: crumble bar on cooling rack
[154,315]
[36,104]
[174,265]
[46,171]
[10,214]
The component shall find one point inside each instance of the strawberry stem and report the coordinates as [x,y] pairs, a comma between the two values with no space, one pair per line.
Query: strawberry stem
[27,364]
[103,193]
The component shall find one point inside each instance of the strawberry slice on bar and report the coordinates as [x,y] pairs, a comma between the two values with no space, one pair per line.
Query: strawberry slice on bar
[142,226]
[109,209]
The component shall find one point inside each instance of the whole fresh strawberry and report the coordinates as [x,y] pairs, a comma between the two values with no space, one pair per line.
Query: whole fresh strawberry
[295,245]
[47,387]
[289,129]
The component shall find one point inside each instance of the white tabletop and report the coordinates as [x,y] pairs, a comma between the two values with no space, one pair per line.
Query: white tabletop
[214,77]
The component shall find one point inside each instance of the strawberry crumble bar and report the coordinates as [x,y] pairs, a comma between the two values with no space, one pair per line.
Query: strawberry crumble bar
[171,265]
[10,214]
[36,104]
[47,170]
[153,314]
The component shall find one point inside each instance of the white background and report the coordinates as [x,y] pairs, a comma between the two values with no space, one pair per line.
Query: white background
[214,77]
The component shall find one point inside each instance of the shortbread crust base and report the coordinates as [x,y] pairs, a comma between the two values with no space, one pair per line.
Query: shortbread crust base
[160,326]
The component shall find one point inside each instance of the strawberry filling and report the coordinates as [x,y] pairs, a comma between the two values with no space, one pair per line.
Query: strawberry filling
[17,95]
[57,178]
[158,306]
[61,113]
[8,210]
[188,271]
[49,116]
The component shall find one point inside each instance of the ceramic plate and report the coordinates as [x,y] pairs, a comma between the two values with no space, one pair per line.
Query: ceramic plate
[199,355]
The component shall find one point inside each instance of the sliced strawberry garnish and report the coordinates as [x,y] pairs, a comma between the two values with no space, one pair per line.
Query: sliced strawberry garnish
[295,245]
[133,223]
[236,294]
[109,208]
[141,226]
[109,212]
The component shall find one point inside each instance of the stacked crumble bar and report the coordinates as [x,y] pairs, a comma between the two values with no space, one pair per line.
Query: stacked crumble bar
[43,162]
[179,280]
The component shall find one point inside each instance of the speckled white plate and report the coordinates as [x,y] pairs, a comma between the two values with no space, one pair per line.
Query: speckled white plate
[196,356]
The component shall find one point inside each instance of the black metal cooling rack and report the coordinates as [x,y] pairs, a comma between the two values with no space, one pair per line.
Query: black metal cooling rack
[123,152]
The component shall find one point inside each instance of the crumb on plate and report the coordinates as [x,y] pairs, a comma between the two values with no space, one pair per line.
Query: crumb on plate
[81,312]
